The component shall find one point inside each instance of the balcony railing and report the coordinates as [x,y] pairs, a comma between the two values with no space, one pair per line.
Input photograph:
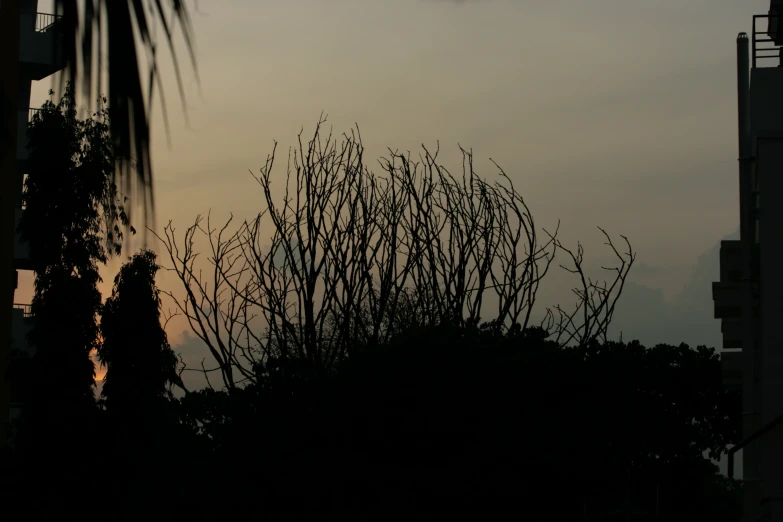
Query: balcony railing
[44,22]
[767,40]
[27,310]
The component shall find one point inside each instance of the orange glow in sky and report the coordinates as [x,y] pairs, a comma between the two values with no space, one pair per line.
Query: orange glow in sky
[100,370]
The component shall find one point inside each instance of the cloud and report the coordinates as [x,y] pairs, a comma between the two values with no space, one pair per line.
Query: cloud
[643,314]
[193,352]
[458,2]
[647,269]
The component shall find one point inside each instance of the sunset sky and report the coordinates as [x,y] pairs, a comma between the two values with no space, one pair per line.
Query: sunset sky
[614,113]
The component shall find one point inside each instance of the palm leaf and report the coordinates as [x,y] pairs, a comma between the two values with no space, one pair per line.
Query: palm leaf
[121,23]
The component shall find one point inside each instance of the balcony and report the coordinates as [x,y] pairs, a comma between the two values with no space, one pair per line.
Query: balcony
[40,45]
[23,120]
[22,321]
[21,248]
[730,261]
[732,333]
[27,309]
[731,362]
[727,297]
[767,39]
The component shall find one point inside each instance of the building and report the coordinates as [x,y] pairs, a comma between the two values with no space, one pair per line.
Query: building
[749,297]
[39,56]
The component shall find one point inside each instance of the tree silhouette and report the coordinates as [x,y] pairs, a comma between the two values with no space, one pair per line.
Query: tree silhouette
[73,220]
[73,212]
[110,28]
[354,257]
[446,420]
[358,371]
[140,365]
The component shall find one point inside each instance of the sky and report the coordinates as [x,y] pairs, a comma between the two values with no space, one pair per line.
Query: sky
[604,113]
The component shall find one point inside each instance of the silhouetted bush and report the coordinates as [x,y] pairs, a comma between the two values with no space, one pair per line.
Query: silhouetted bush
[462,420]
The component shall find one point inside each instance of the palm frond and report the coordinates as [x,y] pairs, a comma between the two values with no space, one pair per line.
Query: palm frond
[116,25]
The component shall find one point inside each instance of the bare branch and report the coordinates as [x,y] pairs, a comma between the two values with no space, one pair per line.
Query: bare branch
[347,259]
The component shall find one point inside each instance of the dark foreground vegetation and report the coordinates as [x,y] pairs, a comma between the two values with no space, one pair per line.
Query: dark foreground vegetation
[444,422]
[352,375]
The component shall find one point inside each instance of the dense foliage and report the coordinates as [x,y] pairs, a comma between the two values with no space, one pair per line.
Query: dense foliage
[73,220]
[448,422]
[140,364]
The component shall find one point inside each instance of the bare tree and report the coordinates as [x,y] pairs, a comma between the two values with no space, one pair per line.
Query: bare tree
[596,299]
[348,259]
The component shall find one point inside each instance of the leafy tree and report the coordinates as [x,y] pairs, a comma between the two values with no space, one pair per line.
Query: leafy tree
[140,365]
[110,28]
[73,213]
[73,221]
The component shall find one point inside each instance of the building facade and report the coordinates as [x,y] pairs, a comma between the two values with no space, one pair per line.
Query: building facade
[749,296]
[39,56]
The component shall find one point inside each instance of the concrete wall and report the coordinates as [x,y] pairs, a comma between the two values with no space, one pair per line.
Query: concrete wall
[21,248]
[28,6]
[767,126]
[769,165]
[21,132]
[766,99]
[769,160]
[763,367]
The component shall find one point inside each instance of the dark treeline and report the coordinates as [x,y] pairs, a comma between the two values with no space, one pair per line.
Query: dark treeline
[352,375]
[464,421]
